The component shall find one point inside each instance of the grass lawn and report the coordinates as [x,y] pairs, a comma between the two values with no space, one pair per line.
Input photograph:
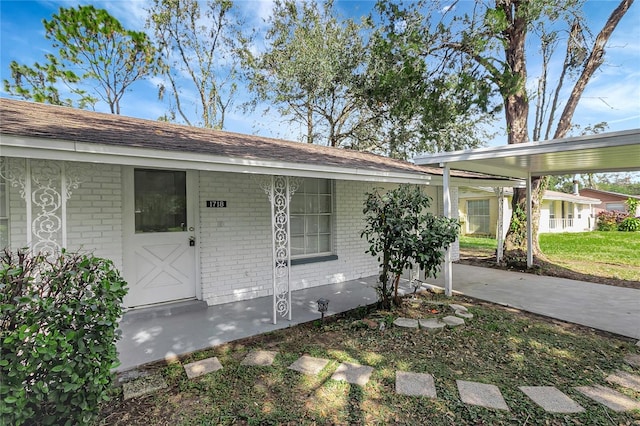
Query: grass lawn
[599,254]
[614,254]
[498,346]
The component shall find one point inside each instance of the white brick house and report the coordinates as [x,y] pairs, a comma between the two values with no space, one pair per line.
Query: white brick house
[183,211]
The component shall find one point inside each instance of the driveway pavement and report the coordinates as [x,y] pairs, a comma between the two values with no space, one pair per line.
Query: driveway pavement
[603,307]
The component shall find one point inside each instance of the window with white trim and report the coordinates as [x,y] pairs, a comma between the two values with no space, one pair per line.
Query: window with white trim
[311,212]
[478,218]
[4,214]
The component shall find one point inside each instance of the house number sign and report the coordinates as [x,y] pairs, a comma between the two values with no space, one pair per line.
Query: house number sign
[217,204]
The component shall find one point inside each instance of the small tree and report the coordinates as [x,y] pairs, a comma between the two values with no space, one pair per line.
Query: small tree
[401,233]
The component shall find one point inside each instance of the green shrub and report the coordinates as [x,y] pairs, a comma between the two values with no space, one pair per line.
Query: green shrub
[58,325]
[630,224]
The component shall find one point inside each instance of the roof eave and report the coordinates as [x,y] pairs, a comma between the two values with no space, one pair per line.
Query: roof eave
[55,149]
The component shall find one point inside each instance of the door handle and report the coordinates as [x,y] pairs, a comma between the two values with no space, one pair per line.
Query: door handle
[192,241]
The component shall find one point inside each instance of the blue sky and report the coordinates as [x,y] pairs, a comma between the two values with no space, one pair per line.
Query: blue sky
[613,95]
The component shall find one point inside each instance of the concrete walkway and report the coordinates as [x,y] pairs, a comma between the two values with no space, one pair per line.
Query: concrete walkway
[603,307]
[146,340]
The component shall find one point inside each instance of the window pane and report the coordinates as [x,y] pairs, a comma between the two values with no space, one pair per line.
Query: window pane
[311,245]
[324,224]
[324,204]
[324,243]
[310,186]
[311,203]
[297,225]
[312,225]
[324,186]
[160,201]
[297,204]
[297,246]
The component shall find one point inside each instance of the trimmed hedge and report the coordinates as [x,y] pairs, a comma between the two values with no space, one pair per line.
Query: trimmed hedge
[58,325]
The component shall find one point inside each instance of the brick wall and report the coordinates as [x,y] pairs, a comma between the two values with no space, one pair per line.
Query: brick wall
[94,212]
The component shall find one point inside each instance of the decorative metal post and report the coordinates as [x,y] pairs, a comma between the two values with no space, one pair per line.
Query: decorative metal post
[46,187]
[280,189]
[500,229]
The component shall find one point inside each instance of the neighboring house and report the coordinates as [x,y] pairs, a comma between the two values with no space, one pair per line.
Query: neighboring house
[610,201]
[191,213]
[559,212]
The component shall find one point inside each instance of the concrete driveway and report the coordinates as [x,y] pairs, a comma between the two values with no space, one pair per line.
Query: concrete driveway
[603,307]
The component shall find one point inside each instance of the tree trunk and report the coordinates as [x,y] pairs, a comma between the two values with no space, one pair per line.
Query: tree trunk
[516,105]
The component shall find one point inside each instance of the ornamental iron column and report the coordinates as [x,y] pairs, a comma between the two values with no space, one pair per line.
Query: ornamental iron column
[500,227]
[279,190]
[46,187]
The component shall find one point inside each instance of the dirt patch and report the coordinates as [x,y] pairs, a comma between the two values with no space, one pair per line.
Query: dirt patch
[478,258]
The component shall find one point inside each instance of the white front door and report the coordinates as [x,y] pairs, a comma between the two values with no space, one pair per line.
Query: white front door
[159,240]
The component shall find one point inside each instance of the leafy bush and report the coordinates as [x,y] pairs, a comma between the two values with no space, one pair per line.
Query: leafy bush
[400,232]
[630,224]
[609,220]
[58,320]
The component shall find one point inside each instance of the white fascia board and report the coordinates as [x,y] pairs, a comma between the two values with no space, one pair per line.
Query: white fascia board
[606,140]
[12,146]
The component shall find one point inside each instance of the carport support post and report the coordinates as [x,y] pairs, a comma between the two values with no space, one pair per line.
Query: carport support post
[446,193]
[529,223]
[500,227]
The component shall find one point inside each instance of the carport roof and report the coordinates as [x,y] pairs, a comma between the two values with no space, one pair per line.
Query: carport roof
[607,152]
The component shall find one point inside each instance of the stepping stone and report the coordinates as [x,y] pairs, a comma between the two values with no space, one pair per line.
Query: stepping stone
[353,373]
[415,384]
[609,397]
[453,321]
[406,323]
[259,358]
[143,386]
[481,394]
[551,399]
[456,307]
[464,314]
[625,379]
[431,324]
[202,367]
[633,359]
[309,365]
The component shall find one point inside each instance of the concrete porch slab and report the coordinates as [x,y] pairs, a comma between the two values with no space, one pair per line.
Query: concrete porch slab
[150,339]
